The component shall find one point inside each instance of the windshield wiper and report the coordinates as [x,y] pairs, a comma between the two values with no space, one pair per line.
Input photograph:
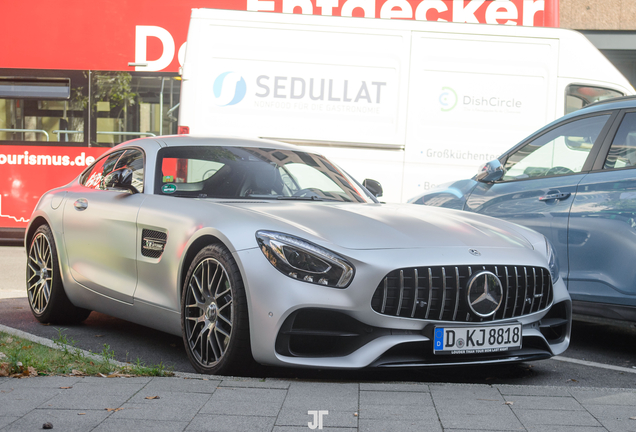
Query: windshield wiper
[300,198]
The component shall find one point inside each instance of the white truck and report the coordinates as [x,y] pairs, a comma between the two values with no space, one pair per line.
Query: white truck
[411,104]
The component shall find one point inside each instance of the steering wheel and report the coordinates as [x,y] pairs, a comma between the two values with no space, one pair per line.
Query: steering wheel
[558,170]
[308,192]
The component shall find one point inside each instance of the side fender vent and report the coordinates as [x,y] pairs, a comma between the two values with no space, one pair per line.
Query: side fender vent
[153,243]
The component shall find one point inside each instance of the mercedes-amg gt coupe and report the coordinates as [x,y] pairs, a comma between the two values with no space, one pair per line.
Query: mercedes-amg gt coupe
[255,250]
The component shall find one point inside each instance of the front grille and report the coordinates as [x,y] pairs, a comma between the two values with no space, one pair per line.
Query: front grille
[439,293]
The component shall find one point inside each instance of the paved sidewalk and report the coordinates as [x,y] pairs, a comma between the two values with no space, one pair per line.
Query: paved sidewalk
[196,403]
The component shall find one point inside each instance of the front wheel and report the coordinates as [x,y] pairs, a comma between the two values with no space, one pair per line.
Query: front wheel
[214,318]
[47,298]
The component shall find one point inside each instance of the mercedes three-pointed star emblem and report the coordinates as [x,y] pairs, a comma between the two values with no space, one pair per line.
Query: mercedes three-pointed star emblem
[485,293]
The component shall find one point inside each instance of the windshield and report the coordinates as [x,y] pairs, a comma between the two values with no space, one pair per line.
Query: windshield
[252,173]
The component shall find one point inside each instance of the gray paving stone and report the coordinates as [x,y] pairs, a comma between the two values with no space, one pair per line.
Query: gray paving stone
[293,417]
[19,401]
[87,396]
[305,429]
[7,420]
[106,382]
[486,421]
[544,402]
[64,420]
[249,394]
[533,391]
[84,401]
[547,428]
[396,387]
[253,383]
[473,430]
[398,412]
[612,411]
[619,425]
[110,386]
[181,385]
[233,407]
[399,425]
[214,423]
[322,396]
[245,401]
[605,397]
[462,407]
[168,399]
[170,406]
[531,418]
[395,398]
[119,425]
[45,381]
[464,393]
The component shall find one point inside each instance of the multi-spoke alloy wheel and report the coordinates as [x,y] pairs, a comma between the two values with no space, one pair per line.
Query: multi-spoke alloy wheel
[39,273]
[47,297]
[214,312]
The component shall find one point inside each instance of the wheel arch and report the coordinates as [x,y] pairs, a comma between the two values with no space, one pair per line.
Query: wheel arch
[193,249]
[33,227]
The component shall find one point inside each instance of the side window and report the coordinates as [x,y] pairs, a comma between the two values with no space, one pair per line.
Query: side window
[622,153]
[562,150]
[104,166]
[134,160]
[578,96]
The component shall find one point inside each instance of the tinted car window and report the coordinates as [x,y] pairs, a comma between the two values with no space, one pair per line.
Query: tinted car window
[243,172]
[104,166]
[134,160]
[622,154]
[562,150]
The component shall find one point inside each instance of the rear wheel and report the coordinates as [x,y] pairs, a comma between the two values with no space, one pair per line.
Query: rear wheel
[47,298]
[214,316]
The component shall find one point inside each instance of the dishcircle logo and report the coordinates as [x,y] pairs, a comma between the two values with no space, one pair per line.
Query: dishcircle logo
[229,89]
[448,99]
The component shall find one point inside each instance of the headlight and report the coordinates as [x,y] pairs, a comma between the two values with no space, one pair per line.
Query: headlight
[299,259]
[553,261]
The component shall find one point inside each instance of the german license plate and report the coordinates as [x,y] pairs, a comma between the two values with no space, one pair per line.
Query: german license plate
[476,340]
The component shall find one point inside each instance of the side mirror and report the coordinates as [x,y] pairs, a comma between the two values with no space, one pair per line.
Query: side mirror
[120,179]
[490,172]
[373,186]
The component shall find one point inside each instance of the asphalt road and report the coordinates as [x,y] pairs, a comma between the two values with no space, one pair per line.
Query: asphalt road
[605,346]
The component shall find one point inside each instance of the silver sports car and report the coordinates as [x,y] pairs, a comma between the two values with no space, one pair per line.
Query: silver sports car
[259,250]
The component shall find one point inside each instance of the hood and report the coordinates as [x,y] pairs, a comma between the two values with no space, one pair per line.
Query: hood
[389,226]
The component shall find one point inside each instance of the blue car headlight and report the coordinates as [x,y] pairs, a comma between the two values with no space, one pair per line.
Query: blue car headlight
[553,261]
[299,259]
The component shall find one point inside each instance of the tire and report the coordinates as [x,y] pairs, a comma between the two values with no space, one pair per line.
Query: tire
[45,291]
[214,317]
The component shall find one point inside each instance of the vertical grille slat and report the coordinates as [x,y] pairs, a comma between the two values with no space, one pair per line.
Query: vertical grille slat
[443,304]
[386,292]
[430,293]
[525,290]
[534,289]
[457,291]
[399,307]
[439,293]
[416,285]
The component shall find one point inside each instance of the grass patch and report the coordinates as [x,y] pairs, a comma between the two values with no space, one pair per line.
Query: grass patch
[20,357]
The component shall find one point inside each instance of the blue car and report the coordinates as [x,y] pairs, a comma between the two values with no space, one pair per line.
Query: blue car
[574,181]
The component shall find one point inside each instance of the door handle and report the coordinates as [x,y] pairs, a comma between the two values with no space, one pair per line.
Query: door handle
[557,196]
[81,204]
